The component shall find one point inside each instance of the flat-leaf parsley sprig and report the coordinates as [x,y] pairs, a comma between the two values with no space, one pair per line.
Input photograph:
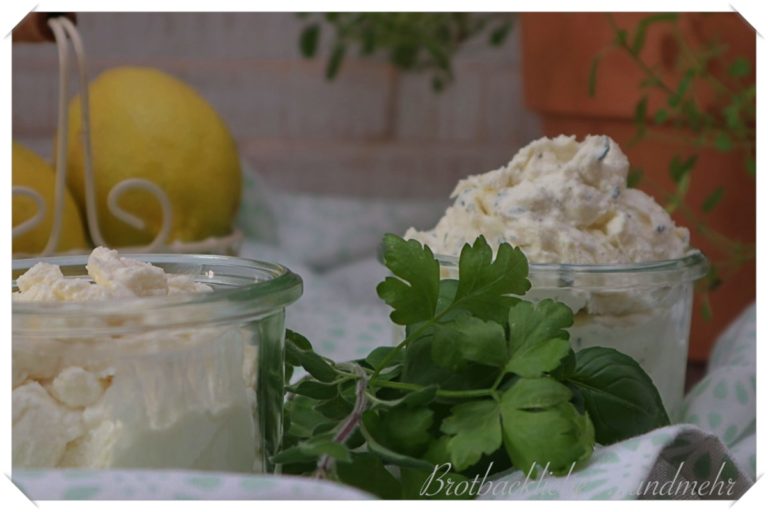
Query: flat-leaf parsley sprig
[481,377]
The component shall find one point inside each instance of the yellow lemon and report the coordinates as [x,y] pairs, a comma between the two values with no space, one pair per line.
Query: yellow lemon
[148,124]
[31,171]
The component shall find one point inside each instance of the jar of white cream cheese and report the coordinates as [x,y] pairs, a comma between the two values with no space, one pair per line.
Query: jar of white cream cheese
[157,361]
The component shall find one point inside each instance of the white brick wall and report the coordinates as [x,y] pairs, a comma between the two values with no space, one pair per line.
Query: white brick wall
[371,132]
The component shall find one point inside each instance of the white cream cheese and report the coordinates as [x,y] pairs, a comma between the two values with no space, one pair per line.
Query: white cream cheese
[562,201]
[177,397]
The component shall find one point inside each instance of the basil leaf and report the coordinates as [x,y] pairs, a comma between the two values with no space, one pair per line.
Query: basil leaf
[620,397]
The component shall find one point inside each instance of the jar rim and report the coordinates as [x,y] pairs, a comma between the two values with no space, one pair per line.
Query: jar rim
[694,262]
[274,286]
[672,272]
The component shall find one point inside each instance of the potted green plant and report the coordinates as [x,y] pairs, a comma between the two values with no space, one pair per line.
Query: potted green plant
[677,92]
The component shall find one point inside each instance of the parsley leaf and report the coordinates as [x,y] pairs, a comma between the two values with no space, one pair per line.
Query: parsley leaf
[536,393]
[475,430]
[484,284]
[413,293]
[469,339]
[538,339]
[553,438]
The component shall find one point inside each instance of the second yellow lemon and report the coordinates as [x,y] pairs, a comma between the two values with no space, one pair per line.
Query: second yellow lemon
[148,124]
[32,172]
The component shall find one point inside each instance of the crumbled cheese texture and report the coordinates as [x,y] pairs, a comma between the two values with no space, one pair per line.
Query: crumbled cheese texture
[560,201]
[164,398]
[111,277]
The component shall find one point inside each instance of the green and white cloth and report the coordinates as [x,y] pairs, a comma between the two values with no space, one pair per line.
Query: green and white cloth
[332,244]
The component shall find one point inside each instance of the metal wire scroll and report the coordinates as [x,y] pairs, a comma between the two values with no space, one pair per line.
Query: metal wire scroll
[66,32]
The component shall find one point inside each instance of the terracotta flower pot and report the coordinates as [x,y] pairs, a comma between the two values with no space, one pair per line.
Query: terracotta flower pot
[558,50]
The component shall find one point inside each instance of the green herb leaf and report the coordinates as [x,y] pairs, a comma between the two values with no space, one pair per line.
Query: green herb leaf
[751,166]
[638,41]
[713,199]
[679,169]
[371,421]
[312,448]
[367,472]
[475,430]
[303,417]
[535,359]
[499,34]
[420,368]
[405,429]
[336,408]
[555,438]
[537,393]
[309,39]
[298,340]
[723,142]
[314,389]
[682,88]
[740,67]
[468,338]
[641,111]
[334,63]
[413,293]
[621,37]
[592,81]
[619,396]
[537,335]
[483,283]
[420,398]
[378,355]
[634,177]
[316,365]
[661,116]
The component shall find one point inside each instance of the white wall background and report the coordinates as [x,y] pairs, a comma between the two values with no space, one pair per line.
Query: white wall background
[373,132]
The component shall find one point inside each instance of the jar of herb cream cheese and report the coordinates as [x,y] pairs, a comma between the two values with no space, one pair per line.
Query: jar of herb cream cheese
[608,251]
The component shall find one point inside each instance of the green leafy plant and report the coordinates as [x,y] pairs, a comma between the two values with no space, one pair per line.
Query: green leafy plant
[483,378]
[727,126]
[411,41]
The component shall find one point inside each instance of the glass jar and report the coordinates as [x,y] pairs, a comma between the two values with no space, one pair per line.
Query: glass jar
[189,381]
[641,309]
